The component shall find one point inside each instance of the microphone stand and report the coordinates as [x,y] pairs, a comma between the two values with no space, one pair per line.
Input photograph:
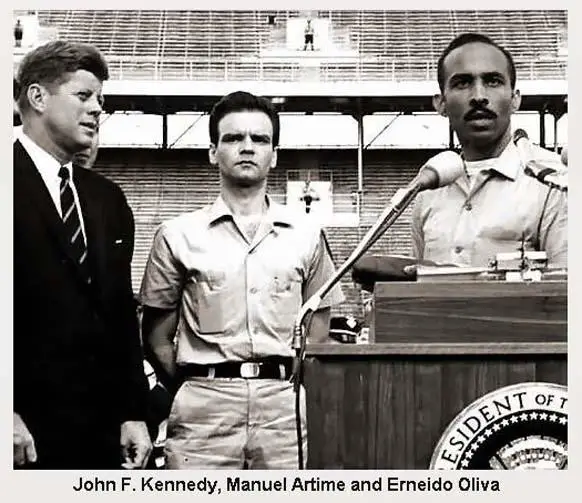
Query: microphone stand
[399,202]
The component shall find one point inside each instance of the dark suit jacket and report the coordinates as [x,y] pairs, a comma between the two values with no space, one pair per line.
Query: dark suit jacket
[78,363]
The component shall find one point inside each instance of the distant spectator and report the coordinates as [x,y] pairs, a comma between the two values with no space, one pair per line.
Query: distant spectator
[309,195]
[309,33]
[18,34]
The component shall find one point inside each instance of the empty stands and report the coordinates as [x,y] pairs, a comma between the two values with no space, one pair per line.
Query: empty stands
[393,45]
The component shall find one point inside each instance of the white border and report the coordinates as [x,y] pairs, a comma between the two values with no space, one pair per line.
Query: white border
[55,486]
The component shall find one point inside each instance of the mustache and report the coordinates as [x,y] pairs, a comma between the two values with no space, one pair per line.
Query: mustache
[480,113]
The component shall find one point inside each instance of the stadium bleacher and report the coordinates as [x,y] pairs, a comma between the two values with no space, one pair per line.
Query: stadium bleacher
[395,45]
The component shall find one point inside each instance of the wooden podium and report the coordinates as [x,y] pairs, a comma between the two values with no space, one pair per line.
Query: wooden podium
[434,348]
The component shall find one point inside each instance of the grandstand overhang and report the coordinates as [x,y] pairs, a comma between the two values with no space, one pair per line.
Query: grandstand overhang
[155,97]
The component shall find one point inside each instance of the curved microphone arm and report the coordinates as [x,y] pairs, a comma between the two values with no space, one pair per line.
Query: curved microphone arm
[552,173]
[401,199]
[554,178]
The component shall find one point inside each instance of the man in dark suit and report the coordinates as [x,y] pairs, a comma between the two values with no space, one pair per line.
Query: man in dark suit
[79,386]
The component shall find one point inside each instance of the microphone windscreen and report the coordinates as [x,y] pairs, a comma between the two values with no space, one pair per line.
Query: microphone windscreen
[441,170]
[518,134]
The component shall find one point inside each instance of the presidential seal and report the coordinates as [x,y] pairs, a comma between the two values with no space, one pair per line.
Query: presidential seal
[523,426]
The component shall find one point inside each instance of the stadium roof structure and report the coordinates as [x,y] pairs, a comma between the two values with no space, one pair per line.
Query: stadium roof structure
[358,98]
[555,104]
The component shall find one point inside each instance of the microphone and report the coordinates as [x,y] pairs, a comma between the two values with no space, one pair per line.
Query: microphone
[549,172]
[439,171]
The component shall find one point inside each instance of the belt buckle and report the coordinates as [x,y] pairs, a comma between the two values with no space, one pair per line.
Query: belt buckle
[248,370]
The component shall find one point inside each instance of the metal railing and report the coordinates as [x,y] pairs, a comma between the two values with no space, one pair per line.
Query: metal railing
[295,69]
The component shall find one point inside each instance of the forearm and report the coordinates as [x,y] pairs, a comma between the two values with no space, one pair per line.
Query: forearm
[162,356]
[554,229]
[159,328]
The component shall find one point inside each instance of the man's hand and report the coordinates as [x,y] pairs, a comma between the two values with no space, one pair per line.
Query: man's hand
[24,449]
[136,445]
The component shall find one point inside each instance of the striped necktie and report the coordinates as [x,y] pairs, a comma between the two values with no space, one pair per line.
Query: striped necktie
[72,224]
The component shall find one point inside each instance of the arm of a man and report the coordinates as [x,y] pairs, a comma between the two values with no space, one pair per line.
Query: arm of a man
[159,328]
[133,382]
[126,355]
[160,295]
[553,231]
[135,441]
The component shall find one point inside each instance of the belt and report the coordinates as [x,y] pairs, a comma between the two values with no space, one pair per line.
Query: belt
[279,368]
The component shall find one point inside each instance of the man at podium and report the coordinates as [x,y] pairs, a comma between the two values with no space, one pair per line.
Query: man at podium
[494,207]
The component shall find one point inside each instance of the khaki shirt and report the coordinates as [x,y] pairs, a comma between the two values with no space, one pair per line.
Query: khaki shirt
[458,225]
[237,300]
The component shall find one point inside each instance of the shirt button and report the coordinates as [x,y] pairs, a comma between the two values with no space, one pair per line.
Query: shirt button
[468,206]
[458,249]
[253,290]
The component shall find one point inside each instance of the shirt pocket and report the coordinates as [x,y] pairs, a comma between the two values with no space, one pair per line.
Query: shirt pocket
[286,299]
[211,318]
[438,230]
[210,301]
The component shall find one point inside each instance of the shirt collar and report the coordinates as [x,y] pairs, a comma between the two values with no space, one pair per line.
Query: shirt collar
[43,161]
[277,214]
[508,163]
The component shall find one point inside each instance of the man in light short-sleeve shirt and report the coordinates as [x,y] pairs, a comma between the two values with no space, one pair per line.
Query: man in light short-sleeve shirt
[494,206]
[222,287]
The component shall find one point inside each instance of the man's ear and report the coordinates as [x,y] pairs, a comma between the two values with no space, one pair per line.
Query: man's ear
[37,97]
[515,101]
[439,104]
[212,154]
[274,158]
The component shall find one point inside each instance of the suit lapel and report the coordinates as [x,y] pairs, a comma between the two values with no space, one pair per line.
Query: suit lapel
[28,184]
[27,177]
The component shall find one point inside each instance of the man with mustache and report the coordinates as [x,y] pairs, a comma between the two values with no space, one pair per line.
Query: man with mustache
[79,386]
[221,291]
[495,205]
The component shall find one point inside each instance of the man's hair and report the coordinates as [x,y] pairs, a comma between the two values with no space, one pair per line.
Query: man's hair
[470,38]
[50,64]
[241,101]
